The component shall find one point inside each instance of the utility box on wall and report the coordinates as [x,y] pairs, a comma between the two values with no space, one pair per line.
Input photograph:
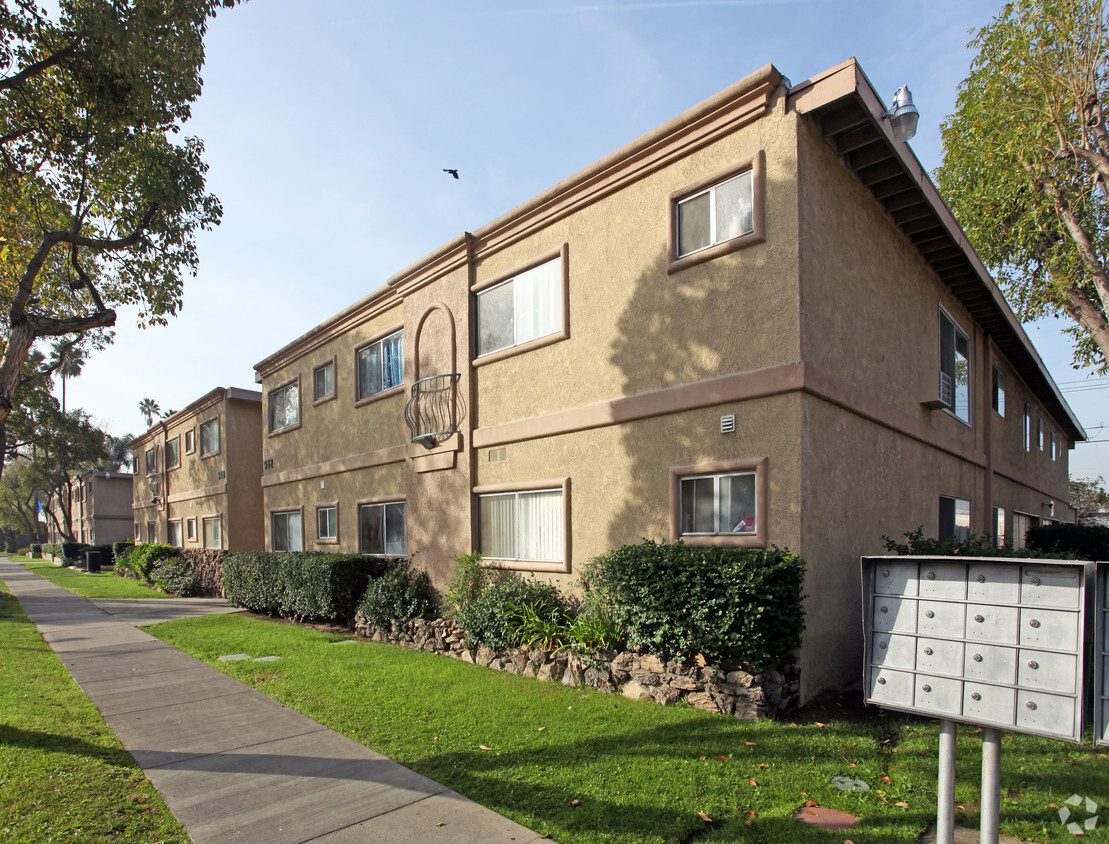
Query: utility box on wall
[987,641]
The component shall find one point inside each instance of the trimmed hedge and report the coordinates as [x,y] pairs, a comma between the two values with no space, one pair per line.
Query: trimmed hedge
[1082,542]
[301,585]
[121,551]
[175,576]
[144,558]
[401,593]
[71,551]
[736,606]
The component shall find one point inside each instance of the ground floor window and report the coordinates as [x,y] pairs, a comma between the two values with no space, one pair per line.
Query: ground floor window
[383,529]
[173,534]
[151,532]
[213,532]
[525,526]
[327,523]
[1000,537]
[720,503]
[288,534]
[954,519]
[190,528]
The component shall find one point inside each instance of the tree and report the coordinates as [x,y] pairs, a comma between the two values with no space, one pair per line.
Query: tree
[117,453]
[19,498]
[1089,499]
[102,203]
[1026,163]
[149,408]
[70,359]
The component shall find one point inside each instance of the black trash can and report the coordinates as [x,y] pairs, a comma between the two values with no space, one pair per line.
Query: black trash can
[92,561]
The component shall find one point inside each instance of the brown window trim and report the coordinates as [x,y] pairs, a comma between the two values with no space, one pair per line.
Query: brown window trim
[300,408]
[323,505]
[757,165]
[564,567]
[218,419]
[185,438]
[563,253]
[334,362]
[758,465]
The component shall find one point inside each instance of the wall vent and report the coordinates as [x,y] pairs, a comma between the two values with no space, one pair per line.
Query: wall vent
[497,455]
[727,424]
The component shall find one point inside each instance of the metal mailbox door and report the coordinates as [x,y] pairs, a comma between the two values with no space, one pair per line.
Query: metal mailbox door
[996,584]
[893,615]
[891,651]
[1054,629]
[1050,672]
[895,578]
[944,581]
[991,663]
[940,619]
[988,623]
[988,704]
[939,656]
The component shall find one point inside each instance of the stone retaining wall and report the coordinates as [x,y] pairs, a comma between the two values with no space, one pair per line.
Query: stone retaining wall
[739,694]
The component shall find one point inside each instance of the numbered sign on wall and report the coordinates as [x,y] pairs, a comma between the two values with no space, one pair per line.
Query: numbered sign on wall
[987,641]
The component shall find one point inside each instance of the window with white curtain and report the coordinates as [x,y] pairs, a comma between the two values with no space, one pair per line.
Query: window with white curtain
[173,535]
[380,365]
[523,308]
[213,532]
[285,407]
[716,214]
[209,437]
[522,525]
[287,531]
[383,529]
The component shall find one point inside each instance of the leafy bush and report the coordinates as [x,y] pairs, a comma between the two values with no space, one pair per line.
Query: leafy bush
[305,586]
[470,578]
[596,629]
[177,577]
[733,605]
[540,624]
[399,594]
[489,621]
[1080,542]
[145,557]
[121,551]
[71,551]
[977,545]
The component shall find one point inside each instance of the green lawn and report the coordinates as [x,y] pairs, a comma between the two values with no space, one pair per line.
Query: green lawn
[99,584]
[64,777]
[638,772]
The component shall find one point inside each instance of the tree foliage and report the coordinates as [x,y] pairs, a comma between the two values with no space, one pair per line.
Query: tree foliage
[1089,499]
[1026,163]
[101,198]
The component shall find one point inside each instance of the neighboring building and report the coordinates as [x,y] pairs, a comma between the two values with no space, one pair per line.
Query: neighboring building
[756,325]
[99,509]
[197,474]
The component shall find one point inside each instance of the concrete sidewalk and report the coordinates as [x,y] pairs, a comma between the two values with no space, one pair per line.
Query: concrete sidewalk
[231,763]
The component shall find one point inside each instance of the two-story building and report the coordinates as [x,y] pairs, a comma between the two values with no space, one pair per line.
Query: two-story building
[99,509]
[197,474]
[756,325]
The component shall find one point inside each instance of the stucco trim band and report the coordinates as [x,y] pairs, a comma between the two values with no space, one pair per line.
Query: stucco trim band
[189,495]
[368,460]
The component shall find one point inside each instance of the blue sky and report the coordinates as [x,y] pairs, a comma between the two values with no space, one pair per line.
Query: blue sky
[327,127]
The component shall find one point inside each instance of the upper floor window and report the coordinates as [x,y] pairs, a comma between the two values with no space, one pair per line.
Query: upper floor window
[173,453]
[383,529]
[954,368]
[380,365]
[1040,433]
[998,401]
[209,437]
[285,407]
[190,441]
[1027,426]
[1054,442]
[323,381]
[718,213]
[151,461]
[520,309]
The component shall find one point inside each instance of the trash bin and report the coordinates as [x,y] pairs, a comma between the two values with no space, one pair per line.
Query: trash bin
[92,561]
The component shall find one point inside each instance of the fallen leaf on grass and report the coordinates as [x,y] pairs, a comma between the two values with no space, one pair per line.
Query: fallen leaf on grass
[575,802]
[818,724]
[763,765]
[541,729]
[722,758]
[704,817]
[885,779]
[852,765]
[752,782]
[754,744]
[751,814]
[901,804]
[483,747]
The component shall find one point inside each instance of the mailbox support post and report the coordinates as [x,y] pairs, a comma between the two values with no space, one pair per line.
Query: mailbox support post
[945,793]
[991,786]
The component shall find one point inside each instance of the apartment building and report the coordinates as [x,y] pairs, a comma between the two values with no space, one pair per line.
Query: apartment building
[99,509]
[197,474]
[756,325]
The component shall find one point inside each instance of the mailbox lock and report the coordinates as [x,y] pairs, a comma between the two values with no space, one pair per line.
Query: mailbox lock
[881,681]
[884,609]
[931,575]
[977,657]
[1033,664]
[981,578]
[1035,581]
[1030,705]
[930,614]
[1033,623]
[926,688]
[976,696]
[882,645]
[928,651]
[885,573]
[979,619]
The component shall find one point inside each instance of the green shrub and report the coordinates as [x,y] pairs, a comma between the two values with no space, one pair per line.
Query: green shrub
[489,620]
[596,629]
[72,552]
[175,576]
[1067,541]
[399,594]
[977,545]
[144,558]
[470,578]
[121,551]
[540,624]
[302,585]
[733,605]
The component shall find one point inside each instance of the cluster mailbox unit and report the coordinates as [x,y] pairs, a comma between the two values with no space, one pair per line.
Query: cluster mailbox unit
[987,641]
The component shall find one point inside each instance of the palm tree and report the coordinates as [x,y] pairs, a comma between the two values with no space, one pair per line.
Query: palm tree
[149,408]
[68,360]
[117,453]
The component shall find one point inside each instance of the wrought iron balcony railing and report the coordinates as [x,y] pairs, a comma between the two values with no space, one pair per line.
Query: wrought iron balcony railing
[434,409]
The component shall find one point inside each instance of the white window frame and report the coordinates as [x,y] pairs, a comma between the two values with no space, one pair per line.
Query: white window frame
[379,510]
[285,398]
[757,466]
[559,559]
[716,237]
[173,447]
[218,522]
[950,367]
[208,426]
[317,396]
[998,392]
[330,533]
[720,528]
[1000,527]
[288,539]
[190,441]
[1027,431]
[362,390]
[170,525]
[190,529]
[960,507]
[544,284]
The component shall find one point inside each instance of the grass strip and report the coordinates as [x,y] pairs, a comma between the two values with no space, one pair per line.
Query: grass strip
[638,772]
[92,584]
[64,776]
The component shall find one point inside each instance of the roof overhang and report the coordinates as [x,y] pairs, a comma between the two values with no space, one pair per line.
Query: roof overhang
[850,116]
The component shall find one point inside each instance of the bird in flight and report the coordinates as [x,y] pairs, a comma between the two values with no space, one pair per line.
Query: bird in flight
[452,172]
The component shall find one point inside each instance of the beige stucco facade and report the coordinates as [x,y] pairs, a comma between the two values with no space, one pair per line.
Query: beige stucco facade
[801,356]
[99,509]
[197,475]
